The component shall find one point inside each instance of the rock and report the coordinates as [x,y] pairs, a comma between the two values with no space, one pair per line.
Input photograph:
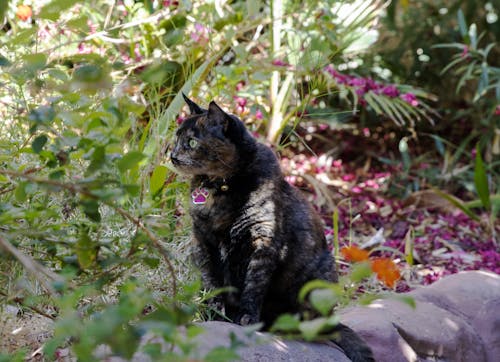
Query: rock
[455,319]
[263,347]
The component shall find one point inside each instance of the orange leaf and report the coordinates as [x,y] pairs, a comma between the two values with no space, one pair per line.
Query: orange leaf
[24,12]
[354,254]
[386,271]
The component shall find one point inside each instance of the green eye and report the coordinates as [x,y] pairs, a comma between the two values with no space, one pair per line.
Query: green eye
[193,143]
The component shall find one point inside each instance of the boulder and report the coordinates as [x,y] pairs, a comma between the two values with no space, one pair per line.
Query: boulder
[456,319]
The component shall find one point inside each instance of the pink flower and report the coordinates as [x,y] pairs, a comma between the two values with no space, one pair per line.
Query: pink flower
[240,85]
[497,110]
[241,102]
[465,52]
[410,98]
[390,91]
[258,114]
[200,34]
[279,63]
[168,3]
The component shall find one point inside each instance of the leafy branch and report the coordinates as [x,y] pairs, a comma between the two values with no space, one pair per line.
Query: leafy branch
[76,189]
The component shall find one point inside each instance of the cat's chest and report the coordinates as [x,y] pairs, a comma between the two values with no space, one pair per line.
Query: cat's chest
[212,211]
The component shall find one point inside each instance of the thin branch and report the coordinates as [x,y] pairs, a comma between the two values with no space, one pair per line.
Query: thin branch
[40,272]
[21,301]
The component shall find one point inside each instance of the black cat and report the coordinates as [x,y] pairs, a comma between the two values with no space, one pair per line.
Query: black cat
[253,230]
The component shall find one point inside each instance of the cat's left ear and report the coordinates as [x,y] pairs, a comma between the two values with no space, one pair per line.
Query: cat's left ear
[193,107]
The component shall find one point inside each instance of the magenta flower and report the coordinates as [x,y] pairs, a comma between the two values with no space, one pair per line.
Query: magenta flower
[258,114]
[390,91]
[410,98]
[279,63]
[497,110]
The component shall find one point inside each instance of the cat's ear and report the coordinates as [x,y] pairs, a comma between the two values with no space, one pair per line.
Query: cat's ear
[193,107]
[230,125]
[217,115]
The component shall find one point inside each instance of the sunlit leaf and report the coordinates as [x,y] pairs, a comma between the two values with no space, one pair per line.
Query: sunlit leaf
[34,62]
[360,271]
[221,354]
[286,323]
[130,160]
[55,8]
[86,251]
[323,300]
[157,179]
[311,285]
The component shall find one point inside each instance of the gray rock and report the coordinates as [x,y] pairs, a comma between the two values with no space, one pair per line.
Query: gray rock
[263,347]
[456,319]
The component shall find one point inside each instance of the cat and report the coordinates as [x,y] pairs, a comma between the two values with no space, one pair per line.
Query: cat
[252,230]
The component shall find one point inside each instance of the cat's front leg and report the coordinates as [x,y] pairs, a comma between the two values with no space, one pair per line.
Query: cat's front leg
[258,277]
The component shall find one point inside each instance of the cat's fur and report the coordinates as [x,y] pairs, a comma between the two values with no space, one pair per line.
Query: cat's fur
[255,232]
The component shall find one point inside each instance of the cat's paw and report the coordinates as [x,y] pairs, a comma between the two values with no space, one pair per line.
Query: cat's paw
[247,319]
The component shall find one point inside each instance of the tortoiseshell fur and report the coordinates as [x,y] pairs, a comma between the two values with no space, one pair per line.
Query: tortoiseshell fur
[255,232]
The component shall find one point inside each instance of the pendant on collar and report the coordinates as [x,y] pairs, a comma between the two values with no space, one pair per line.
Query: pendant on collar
[200,195]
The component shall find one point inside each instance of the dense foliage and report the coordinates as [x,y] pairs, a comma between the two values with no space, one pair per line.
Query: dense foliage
[92,233]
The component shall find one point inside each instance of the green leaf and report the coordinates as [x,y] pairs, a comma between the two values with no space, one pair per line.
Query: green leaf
[86,251]
[89,73]
[360,271]
[38,143]
[409,246]
[20,193]
[79,24]
[323,300]
[221,354]
[55,8]
[457,203]
[42,114]
[312,329]
[151,262]
[406,299]
[34,62]
[481,180]
[91,209]
[130,160]
[157,179]
[314,284]
[462,25]
[96,160]
[4,62]
[286,323]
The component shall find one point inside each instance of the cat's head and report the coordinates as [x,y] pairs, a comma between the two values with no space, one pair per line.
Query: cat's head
[210,142]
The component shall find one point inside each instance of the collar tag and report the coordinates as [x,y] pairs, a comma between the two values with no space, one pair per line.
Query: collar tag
[200,195]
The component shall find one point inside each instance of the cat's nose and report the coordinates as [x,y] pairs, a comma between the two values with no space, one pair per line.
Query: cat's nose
[173,158]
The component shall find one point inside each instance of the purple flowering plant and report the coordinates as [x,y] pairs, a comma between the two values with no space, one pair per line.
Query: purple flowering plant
[402,104]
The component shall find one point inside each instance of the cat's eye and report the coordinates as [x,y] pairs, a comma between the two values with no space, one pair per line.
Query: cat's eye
[193,143]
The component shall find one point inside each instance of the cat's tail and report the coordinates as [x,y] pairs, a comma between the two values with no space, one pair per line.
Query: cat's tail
[352,344]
